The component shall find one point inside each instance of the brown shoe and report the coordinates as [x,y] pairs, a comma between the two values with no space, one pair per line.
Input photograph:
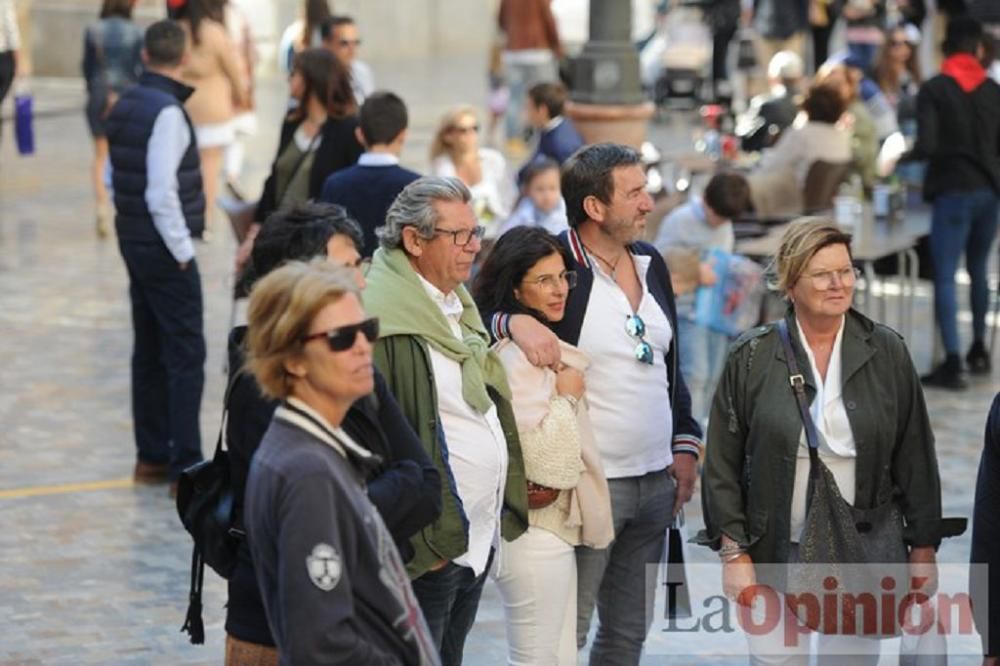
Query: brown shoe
[150,472]
[172,492]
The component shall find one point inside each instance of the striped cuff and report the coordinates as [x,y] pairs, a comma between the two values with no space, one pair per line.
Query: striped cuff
[500,326]
[687,444]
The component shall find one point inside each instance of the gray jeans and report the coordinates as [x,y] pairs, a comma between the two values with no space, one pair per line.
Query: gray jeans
[619,579]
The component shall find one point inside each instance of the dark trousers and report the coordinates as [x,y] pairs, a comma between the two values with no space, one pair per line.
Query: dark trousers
[168,356]
[449,598]
[962,222]
[6,78]
[720,53]
[821,43]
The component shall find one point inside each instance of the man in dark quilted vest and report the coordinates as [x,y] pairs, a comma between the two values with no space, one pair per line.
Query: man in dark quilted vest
[156,179]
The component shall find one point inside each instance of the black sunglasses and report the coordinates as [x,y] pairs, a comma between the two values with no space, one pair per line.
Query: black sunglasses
[343,338]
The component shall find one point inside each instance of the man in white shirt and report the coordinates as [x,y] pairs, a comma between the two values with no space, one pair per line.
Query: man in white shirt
[622,315]
[434,353]
[155,175]
[341,37]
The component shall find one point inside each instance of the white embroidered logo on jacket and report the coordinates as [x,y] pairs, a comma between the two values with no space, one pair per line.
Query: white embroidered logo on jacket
[324,566]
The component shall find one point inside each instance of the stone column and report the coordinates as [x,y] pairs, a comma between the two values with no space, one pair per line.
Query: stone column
[607,101]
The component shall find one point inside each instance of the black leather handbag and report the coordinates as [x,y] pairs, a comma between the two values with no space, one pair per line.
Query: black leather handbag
[205,502]
[857,548]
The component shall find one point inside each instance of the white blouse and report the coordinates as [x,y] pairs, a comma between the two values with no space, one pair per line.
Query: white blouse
[489,195]
[836,441]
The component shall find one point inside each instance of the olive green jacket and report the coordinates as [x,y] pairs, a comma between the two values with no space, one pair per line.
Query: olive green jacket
[755,429]
[405,362]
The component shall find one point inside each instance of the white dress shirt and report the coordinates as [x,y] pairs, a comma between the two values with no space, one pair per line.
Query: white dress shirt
[629,400]
[164,152]
[836,441]
[477,447]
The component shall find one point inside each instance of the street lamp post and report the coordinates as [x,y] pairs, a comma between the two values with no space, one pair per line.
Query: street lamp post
[607,101]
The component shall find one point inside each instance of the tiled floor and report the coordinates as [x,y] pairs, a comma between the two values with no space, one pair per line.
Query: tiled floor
[99,575]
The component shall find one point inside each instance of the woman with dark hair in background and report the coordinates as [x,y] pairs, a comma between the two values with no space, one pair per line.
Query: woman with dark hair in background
[568,500]
[317,136]
[303,33]
[112,61]
[405,489]
[220,84]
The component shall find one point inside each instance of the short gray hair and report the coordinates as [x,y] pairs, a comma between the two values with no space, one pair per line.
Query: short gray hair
[414,207]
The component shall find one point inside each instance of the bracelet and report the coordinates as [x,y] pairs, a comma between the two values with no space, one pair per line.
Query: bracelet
[571,399]
[726,559]
[734,549]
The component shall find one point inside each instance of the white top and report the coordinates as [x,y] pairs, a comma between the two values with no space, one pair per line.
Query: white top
[362,81]
[489,194]
[477,448]
[527,214]
[629,400]
[836,441]
[378,159]
[804,143]
[10,35]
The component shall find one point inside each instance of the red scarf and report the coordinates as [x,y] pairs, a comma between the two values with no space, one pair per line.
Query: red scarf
[965,69]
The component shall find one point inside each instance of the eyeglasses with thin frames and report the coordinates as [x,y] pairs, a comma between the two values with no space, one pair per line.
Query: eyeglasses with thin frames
[825,280]
[636,328]
[345,337]
[462,237]
[551,282]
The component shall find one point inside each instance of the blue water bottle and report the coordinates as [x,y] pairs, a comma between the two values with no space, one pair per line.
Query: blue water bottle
[24,131]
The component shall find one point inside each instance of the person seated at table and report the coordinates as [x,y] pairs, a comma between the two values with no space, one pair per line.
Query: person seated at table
[777,184]
[702,224]
[541,204]
[773,112]
[868,117]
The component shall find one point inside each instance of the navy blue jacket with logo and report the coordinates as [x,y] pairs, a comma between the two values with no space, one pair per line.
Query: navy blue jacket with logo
[130,126]
[333,584]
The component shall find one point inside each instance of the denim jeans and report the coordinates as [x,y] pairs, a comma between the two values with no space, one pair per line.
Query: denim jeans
[703,355]
[962,221]
[449,598]
[621,579]
[168,356]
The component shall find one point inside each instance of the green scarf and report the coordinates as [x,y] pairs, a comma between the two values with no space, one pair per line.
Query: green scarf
[396,295]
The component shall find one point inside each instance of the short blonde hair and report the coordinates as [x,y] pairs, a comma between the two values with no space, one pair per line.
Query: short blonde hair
[439,146]
[283,304]
[803,238]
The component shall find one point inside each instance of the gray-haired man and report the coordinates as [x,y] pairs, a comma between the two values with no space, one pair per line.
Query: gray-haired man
[434,353]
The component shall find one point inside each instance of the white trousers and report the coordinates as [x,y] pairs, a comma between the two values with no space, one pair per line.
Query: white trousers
[536,576]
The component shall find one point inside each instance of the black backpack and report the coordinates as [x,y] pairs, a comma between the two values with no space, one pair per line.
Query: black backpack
[205,503]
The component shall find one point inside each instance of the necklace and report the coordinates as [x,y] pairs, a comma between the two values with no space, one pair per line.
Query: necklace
[612,266]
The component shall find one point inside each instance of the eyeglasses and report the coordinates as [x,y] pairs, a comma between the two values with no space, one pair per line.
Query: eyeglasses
[551,282]
[636,328]
[463,237]
[344,43]
[464,129]
[344,338]
[827,279]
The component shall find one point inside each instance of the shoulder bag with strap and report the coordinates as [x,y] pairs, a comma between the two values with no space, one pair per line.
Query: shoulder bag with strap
[205,504]
[836,534]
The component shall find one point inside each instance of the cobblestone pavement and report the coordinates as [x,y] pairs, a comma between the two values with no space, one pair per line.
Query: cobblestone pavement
[94,569]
